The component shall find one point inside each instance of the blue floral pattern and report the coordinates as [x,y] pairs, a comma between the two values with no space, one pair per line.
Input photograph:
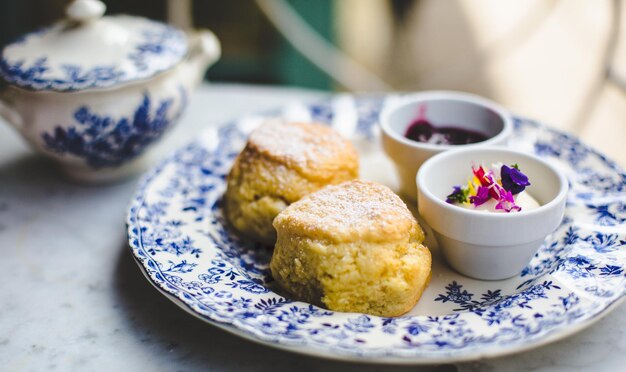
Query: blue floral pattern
[104,141]
[158,48]
[576,275]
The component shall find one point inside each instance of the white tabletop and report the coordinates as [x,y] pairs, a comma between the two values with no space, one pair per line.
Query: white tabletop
[74,300]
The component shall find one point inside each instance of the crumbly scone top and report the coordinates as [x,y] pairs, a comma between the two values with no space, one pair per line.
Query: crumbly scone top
[351,211]
[311,148]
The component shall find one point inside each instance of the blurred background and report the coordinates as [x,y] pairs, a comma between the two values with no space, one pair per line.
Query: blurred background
[562,62]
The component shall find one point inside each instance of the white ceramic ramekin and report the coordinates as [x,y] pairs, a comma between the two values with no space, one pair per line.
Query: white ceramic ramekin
[483,245]
[441,108]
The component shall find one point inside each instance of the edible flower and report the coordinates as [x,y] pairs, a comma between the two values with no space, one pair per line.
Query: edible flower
[482,176]
[484,186]
[513,180]
[507,203]
[486,178]
[459,195]
[481,197]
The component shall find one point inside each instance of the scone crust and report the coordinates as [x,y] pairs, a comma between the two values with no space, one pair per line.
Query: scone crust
[352,211]
[272,172]
[335,261]
[314,150]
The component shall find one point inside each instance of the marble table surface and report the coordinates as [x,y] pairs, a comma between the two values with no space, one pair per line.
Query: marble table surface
[72,298]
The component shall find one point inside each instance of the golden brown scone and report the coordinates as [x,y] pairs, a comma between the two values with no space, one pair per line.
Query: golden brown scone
[281,163]
[352,247]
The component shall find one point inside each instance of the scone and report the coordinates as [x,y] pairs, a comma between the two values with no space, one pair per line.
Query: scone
[281,163]
[352,247]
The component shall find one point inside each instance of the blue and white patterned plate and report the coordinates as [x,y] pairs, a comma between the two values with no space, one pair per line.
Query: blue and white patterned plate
[178,236]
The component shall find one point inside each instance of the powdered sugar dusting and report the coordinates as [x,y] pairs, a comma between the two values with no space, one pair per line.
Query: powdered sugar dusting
[300,144]
[354,208]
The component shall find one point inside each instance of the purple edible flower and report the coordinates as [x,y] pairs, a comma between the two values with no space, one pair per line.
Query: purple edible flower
[513,180]
[481,197]
[459,195]
[507,202]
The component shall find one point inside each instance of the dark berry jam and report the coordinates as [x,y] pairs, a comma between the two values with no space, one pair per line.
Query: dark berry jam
[422,131]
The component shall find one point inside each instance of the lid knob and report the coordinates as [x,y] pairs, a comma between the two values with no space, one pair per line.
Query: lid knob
[85,10]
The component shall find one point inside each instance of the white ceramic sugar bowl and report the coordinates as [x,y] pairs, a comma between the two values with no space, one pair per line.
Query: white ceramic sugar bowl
[93,91]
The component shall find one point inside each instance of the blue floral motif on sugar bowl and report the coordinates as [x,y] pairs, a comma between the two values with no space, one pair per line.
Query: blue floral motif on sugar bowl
[103,141]
[110,87]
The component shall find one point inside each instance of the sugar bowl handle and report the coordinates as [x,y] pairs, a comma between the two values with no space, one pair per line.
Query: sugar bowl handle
[204,51]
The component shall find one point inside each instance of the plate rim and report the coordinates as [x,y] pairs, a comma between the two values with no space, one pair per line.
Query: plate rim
[314,351]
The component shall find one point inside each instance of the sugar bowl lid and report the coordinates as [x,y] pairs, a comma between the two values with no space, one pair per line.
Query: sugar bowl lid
[87,50]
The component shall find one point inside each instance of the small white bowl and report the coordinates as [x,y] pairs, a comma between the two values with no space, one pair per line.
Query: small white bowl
[441,108]
[483,245]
